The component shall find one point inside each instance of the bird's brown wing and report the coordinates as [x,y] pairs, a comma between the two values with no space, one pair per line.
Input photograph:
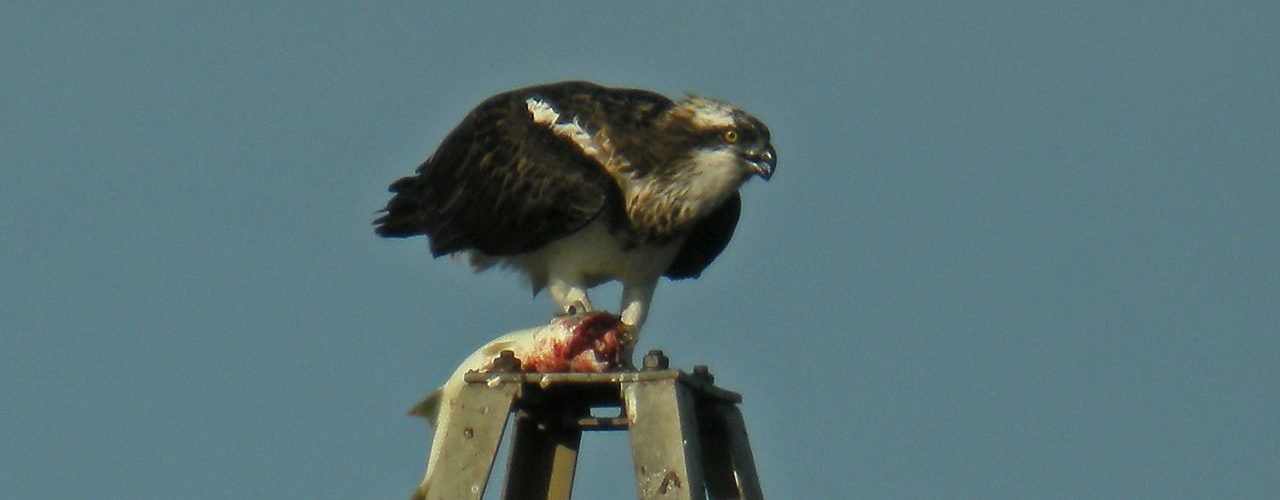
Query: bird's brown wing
[499,183]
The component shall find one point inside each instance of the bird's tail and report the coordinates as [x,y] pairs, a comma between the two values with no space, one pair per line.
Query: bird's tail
[402,217]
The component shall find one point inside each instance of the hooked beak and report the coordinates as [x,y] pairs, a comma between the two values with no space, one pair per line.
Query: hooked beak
[764,161]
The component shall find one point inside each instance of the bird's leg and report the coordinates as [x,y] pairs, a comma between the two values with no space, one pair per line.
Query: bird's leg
[635,302]
[635,307]
[571,297]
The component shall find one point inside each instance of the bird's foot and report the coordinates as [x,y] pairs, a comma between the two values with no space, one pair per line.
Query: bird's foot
[628,335]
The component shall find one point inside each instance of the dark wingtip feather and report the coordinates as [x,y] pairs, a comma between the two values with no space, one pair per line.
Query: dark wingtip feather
[397,225]
[402,217]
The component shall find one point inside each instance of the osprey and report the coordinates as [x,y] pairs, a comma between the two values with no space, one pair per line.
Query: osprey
[576,184]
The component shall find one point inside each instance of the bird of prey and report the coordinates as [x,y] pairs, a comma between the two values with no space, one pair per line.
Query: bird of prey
[575,184]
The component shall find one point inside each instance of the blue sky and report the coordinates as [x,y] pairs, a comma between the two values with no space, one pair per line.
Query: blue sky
[1012,250]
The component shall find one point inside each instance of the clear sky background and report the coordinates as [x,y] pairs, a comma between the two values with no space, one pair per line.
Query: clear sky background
[1012,250]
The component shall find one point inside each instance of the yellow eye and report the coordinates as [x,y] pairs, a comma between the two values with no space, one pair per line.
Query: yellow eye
[731,136]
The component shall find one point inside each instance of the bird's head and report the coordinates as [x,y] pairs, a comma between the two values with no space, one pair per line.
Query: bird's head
[720,140]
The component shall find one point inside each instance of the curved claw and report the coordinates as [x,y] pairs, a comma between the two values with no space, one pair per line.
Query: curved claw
[575,308]
[578,307]
[628,336]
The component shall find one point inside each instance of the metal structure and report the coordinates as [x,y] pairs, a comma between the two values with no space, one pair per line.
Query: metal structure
[688,438]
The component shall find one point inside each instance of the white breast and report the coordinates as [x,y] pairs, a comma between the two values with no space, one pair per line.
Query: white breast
[593,256]
[717,173]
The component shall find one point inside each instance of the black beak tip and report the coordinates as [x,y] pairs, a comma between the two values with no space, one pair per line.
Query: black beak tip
[768,157]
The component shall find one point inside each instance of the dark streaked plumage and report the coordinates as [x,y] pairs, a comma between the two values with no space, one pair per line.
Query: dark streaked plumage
[577,184]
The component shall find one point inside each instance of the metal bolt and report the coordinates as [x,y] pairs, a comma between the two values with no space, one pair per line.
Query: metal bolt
[506,362]
[655,360]
[703,373]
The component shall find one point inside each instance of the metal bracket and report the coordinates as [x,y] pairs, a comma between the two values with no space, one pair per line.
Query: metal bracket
[688,437]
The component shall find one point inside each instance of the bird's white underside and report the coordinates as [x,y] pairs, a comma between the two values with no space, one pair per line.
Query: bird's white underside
[567,267]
